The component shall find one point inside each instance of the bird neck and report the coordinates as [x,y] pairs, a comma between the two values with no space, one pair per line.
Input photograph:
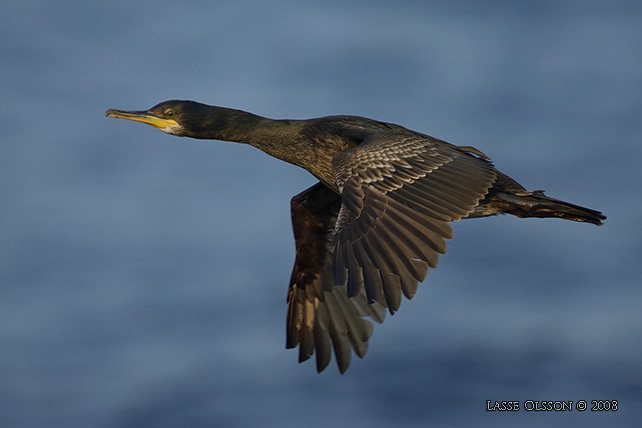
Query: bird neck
[277,138]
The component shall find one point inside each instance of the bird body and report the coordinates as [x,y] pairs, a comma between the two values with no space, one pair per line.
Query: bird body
[377,221]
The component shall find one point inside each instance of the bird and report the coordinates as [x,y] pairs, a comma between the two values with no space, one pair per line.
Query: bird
[368,232]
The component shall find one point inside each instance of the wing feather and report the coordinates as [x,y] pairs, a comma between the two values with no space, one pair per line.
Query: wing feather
[321,318]
[399,192]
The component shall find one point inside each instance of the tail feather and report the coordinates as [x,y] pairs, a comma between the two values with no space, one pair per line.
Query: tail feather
[536,204]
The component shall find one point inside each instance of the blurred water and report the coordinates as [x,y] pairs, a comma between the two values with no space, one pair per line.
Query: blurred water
[143,277]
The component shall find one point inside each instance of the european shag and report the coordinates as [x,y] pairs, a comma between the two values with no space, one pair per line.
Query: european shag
[377,220]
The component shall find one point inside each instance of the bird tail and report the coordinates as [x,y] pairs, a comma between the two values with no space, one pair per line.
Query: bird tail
[536,204]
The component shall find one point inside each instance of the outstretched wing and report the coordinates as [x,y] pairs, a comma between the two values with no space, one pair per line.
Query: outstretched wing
[399,192]
[320,315]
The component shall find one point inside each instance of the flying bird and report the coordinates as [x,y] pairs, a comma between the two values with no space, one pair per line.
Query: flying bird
[378,219]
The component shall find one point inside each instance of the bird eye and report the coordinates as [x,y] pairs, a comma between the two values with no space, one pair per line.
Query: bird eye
[169,113]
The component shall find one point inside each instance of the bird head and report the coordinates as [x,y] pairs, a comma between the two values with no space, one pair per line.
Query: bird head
[174,117]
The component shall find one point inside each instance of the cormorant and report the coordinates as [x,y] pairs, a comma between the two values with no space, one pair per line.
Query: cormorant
[376,221]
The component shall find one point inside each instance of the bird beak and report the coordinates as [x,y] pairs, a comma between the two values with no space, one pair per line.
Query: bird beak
[144,117]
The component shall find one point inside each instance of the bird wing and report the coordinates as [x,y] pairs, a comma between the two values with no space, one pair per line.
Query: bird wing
[399,192]
[320,314]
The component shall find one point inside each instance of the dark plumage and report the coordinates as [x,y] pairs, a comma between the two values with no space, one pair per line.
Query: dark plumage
[376,222]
